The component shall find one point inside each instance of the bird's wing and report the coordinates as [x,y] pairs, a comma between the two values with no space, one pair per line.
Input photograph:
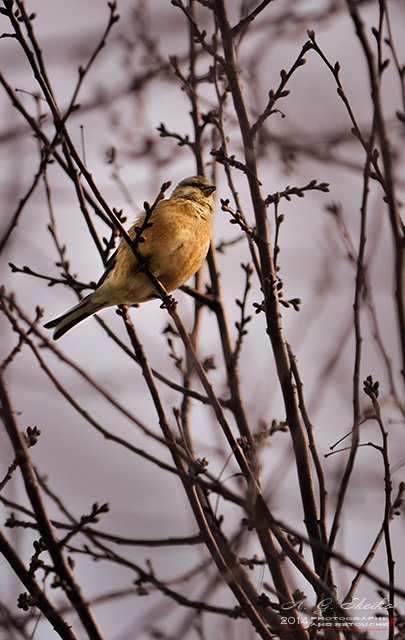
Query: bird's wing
[109,267]
[123,247]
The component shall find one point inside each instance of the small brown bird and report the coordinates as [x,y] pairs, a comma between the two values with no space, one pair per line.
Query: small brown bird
[175,247]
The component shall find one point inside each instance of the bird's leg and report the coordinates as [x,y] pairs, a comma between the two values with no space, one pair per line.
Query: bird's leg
[143,263]
[168,302]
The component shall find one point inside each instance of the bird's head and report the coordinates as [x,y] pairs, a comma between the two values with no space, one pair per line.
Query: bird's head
[196,188]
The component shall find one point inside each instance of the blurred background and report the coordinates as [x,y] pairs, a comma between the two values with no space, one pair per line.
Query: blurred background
[129,91]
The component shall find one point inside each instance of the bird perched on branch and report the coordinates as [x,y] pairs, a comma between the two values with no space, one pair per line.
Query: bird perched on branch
[173,245]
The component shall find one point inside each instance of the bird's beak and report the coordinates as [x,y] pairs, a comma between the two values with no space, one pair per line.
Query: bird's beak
[209,190]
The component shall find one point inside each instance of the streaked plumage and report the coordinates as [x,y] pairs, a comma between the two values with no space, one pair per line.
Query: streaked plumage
[175,246]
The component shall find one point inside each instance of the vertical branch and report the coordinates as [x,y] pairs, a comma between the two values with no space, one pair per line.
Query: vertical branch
[358,348]
[198,151]
[397,227]
[274,327]
[360,281]
[372,390]
[228,564]
[220,128]
[62,568]
[237,404]
[323,493]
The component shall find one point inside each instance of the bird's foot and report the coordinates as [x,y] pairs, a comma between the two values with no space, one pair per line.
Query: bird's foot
[169,303]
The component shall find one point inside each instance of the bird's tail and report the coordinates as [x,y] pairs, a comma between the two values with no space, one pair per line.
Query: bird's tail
[71,318]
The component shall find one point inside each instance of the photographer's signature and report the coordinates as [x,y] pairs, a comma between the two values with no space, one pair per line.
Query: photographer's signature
[352,605]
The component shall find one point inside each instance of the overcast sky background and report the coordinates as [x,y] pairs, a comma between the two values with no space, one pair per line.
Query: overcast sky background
[80,465]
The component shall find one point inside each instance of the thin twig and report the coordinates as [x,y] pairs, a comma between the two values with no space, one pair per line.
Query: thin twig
[37,596]
[72,589]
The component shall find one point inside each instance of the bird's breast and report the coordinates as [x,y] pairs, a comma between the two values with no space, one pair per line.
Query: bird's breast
[177,244]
